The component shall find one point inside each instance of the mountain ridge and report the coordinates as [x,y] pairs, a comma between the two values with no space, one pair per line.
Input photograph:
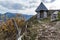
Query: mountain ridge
[9,15]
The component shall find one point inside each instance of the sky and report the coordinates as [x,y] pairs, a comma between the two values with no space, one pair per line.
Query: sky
[23,6]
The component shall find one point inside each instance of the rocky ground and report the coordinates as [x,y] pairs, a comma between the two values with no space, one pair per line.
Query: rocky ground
[43,31]
[50,32]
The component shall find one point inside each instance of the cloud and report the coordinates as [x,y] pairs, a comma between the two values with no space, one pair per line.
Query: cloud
[33,1]
[15,6]
[48,1]
[19,6]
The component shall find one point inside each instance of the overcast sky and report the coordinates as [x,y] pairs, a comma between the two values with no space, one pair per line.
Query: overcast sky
[21,6]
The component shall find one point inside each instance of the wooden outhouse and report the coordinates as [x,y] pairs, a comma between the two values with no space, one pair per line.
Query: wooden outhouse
[44,12]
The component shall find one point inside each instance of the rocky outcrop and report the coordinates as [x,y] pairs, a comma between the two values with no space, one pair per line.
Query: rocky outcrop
[43,31]
[49,33]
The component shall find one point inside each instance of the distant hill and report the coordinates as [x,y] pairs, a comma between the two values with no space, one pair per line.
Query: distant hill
[9,15]
[27,16]
[0,16]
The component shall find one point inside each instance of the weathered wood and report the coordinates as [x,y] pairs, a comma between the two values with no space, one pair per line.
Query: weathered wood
[45,14]
[38,15]
[54,16]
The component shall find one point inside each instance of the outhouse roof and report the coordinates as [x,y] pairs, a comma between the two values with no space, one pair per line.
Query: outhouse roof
[41,7]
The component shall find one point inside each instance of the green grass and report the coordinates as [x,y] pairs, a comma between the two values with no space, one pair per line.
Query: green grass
[46,19]
[59,16]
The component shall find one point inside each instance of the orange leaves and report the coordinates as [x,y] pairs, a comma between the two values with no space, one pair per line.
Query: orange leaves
[9,25]
[4,27]
[9,29]
[19,22]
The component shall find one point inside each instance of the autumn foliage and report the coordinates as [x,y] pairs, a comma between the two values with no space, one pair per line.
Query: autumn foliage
[9,29]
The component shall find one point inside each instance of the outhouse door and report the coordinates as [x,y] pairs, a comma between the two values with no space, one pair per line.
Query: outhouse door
[41,14]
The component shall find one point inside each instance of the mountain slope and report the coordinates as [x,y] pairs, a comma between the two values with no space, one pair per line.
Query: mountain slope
[9,15]
[38,30]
